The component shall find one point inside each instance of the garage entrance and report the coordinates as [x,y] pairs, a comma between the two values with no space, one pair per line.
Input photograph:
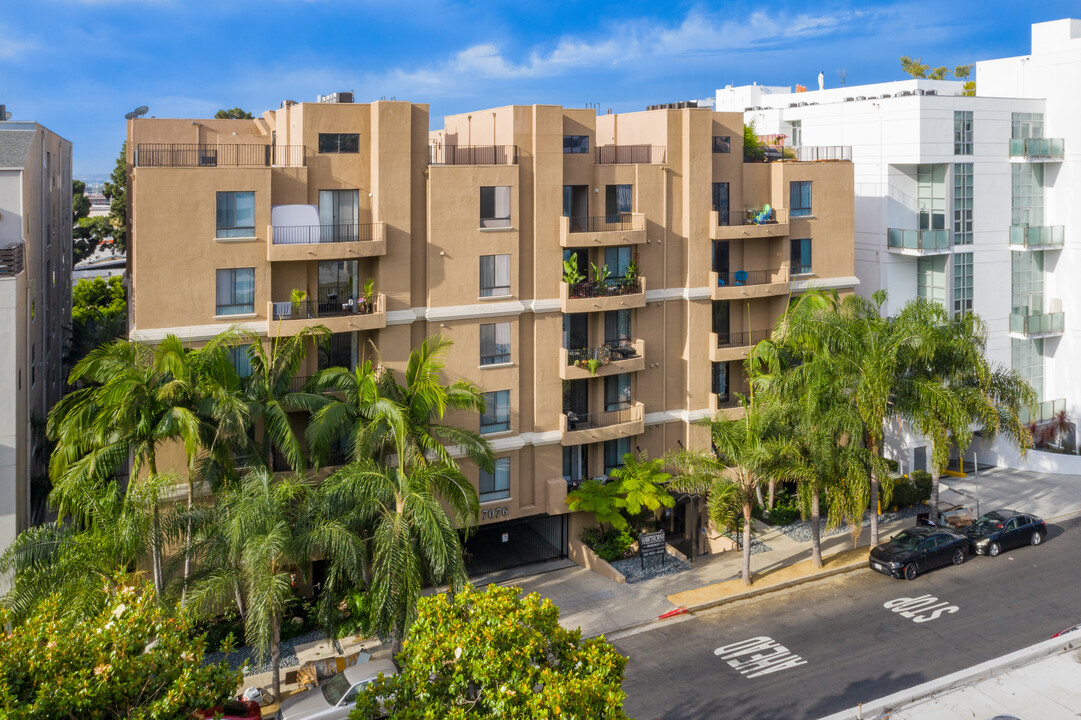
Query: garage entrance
[513,543]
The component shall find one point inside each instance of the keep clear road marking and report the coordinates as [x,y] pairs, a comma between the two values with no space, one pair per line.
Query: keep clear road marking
[920,609]
[758,656]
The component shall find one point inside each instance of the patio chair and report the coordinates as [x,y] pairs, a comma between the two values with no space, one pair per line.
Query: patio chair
[741,277]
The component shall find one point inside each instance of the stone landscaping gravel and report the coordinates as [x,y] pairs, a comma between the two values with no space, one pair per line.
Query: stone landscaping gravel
[801,531]
[288,656]
[757,546]
[632,568]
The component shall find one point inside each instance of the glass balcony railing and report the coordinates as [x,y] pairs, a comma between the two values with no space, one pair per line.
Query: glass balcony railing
[1049,237]
[1039,324]
[1042,412]
[918,240]
[1036,147]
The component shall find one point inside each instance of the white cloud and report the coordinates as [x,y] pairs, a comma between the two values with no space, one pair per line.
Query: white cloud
[639,42]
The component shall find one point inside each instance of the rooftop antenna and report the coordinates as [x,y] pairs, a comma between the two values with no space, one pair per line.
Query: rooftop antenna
[137,112]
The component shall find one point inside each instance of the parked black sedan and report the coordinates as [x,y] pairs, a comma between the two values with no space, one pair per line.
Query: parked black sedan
[917,549]
[1004,529]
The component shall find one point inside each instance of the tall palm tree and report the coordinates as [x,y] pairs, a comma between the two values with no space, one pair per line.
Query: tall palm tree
[700,473]
[353,403]
[262,533]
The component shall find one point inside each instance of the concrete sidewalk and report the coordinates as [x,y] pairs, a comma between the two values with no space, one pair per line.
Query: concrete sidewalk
[601,607]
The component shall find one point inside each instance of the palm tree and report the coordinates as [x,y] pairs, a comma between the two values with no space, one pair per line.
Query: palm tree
[702,474]
[262,533]
[413,540]
[353,403]
[641,483]
[600,498]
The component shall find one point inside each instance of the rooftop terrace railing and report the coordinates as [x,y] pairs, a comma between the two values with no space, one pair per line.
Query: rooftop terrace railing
[630,154]
[815,153]
[472,154]
[204,155]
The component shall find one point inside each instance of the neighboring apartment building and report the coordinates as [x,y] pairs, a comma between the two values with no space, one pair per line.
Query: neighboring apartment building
[464,232]
[35,310]
[964,200]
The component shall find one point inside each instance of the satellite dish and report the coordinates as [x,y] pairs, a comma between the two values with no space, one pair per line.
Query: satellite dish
[137,112]
[130,116]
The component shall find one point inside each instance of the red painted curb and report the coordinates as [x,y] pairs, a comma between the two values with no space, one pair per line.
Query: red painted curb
[672,613]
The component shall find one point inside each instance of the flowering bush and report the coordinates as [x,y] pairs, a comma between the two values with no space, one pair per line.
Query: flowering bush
[492,653]
[134,659]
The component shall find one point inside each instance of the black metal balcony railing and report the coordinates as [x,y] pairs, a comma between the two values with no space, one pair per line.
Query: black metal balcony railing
[589,421]
[192,155]
[723,217]
[11,259]
[742,339]
[612,287]
[607,223]
[748,277]
[612,351]
[312,234]
[472,154]
[630,154]
[311,309]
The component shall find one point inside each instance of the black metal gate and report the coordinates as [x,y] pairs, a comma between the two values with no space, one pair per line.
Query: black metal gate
[517,542]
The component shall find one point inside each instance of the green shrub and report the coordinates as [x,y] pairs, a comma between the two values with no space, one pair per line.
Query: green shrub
[613,546]
[785,508]
[914,489]
[922,482]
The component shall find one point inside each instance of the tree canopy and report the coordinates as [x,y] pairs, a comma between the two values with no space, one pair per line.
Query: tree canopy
[116,189]
[918,69]
[133,659]
[493,653]
[233,114]
[80,203]
[99,310]
[87,234]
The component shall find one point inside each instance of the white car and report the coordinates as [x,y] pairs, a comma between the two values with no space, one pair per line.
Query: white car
[335,698]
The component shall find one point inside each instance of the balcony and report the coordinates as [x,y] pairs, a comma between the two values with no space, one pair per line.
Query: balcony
[203,155]
[610,294]
[288,318]
[724,347]
[600,426]
[1037,149]
[1050,237]
[725,407]
[1042,412]
[630,154]
[11,260]
[1037,325]
[610,359]
[603,231]
[326,242]
[472,154]
[824,153]
[744,284]
[736,225]
[918,243]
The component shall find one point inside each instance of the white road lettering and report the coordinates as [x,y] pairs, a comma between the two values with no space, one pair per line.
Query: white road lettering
[758,656]
[921,609]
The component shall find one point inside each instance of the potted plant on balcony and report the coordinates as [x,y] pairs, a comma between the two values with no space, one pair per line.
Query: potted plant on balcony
[297,298]
[572,275]
[600,277]
[369,296]
[630,276]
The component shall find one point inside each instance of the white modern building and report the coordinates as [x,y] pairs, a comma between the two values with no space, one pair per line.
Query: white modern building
[35,310]
[964,199]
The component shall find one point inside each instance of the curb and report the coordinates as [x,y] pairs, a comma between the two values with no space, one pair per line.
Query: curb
[753,592]
[905,699]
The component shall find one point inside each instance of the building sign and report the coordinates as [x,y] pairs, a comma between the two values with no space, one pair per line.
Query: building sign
[494,512]
[506,537]
[651,545]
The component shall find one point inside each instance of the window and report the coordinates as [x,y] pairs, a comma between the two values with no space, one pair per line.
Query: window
[1026,125]
[618,259]
[617,200]
[962,132]
[801,256]
[720,381]
[800,198]
[575,144]
[931,196]
[236,214]
[931,278]
[496,415]
[339,142]
[617,391]
[722,143]
[236,291]
[1027,194]
[494,275]
[575,463]
[494,343]
[238,354]
[339,211]
[720,202]
[617,327]
[962,204]
[495,485]
[962,283]
[614,450]
[797,133]
[1026,357]
[495,206]
[1026,283]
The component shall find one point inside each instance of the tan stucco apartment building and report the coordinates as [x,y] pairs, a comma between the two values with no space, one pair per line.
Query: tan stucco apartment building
[35,310]
[468,232]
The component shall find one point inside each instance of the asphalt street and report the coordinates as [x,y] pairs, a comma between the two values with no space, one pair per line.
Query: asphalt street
[815,650]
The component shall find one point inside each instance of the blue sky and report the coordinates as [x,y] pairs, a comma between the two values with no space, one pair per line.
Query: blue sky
[77,66]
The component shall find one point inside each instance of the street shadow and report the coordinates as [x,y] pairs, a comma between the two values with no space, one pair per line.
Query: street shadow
[861,691]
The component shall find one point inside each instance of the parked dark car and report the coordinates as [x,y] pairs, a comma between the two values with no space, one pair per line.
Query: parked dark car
[1004,529]
[917,549]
